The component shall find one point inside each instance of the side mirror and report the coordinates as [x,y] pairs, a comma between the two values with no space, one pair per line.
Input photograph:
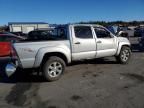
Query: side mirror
[118,34]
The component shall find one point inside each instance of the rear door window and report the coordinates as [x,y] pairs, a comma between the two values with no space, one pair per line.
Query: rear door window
[84,32]
[59,33]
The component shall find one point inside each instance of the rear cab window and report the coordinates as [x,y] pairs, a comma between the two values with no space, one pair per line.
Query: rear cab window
[59,33]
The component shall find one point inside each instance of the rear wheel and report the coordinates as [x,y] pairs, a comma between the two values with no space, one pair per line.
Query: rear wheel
[124,55]
[53,68]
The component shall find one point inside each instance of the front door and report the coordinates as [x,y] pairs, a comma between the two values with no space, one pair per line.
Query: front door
[84,43]
[105,42]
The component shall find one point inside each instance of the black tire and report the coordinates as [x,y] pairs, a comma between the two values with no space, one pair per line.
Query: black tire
[124,56]
[53,68]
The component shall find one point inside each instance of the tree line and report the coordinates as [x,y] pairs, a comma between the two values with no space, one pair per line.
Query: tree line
[104,23]
[124,23]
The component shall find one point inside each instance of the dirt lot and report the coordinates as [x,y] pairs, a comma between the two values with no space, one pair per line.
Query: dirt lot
[100,83]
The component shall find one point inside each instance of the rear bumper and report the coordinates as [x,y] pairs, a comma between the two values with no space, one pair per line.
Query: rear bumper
[11,67]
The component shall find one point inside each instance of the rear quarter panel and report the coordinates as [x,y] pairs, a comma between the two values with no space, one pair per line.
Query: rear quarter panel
[28,52]
[63,49]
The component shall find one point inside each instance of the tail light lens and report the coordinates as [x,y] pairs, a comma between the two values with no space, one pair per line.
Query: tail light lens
[13,52]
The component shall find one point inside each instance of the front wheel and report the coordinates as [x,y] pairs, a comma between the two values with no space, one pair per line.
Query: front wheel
[124,55]
[53,68]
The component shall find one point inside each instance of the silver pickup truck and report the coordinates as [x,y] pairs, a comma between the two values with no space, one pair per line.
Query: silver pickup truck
[65,44]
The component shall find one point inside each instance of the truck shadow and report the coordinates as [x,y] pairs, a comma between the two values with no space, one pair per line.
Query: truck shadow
[27,76]
[19,75]
[22,78]
[96,61]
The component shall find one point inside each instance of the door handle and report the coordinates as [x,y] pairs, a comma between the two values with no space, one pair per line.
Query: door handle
[77,43]
[99,41]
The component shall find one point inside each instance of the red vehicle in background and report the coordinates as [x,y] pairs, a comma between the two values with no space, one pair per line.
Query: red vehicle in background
[5,43]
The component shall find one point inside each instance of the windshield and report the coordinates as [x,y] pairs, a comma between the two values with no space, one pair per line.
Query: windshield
[112,29]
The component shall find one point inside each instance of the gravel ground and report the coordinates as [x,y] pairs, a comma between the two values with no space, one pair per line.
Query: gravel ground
[100,83]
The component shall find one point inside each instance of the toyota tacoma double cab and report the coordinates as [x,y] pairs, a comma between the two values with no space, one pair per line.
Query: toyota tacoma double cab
[65,44]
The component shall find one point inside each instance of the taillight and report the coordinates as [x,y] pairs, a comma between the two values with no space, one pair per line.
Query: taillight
[13,52]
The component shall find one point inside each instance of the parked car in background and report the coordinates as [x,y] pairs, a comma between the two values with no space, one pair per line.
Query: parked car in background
[127,31]
[117,31]
[19,34]
[141,42]
[6,33]
[139,32]
[5,43]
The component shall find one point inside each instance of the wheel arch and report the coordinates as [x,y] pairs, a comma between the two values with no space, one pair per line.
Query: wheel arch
[120,47]
[50,54]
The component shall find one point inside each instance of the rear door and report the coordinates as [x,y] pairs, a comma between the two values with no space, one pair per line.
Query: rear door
[83,43]
[105,42]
